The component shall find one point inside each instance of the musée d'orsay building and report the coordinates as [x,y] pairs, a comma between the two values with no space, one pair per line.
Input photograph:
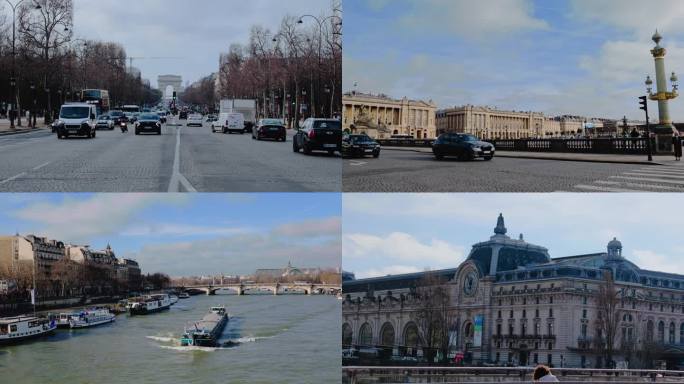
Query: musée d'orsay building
[513,303]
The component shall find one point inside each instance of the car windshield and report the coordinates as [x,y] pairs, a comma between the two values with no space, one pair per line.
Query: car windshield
[148,116]
[271,122]
[105,117]
[332,124]
[468,138]
[74,112]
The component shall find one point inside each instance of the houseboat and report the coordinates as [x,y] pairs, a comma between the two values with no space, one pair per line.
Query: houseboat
[148,304]
[207,331]
[16,329]
[91,317]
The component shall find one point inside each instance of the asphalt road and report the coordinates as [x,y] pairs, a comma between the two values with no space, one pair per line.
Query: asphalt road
[406,171]
[182,159]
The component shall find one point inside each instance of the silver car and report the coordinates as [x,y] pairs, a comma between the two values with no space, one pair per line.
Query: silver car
[104,122]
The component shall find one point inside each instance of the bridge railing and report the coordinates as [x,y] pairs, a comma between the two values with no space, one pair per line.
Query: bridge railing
[366,374]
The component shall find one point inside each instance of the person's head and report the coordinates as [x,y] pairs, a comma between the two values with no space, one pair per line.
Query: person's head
[540,371]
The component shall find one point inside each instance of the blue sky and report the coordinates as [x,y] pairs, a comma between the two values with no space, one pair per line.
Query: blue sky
[194,32]
[583,57]
[188,234]
[401,233]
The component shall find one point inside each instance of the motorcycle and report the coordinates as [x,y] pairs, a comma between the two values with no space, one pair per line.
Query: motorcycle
[124,127]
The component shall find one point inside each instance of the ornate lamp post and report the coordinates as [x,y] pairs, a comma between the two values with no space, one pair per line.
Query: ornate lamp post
[663,131]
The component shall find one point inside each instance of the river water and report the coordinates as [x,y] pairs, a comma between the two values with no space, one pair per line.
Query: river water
[275,339]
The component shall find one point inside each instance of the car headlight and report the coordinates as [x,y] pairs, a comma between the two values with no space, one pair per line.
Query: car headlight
[476,148]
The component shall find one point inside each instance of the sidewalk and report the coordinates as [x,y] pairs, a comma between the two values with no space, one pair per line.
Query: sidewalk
[585,157]
[5,127]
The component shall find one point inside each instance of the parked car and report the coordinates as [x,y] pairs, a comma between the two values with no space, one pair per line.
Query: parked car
[359,146]
[269,129]
[318,135]
[148,122]
[463,146]
[195,120]
[105,122]
[77,119]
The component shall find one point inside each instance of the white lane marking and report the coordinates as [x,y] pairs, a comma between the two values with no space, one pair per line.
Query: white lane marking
[649,179]
[13,178]
[177,178]
[41,166]
[636,185]
[604,189]
[355,163]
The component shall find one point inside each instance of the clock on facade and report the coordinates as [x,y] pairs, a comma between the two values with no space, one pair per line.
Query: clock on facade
[470,283]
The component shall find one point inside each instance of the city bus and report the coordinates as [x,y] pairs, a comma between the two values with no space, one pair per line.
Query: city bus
[99,97]
[130,109]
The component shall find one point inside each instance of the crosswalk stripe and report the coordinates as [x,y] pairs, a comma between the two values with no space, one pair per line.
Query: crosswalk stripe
[654,174]
[663,171]
[604,189]
[649,179]
[636,185]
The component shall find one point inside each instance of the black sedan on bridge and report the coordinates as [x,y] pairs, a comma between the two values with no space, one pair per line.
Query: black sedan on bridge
[148,122]
[462,146]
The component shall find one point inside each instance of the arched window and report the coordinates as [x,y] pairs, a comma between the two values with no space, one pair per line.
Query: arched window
[671,334]
[366,335]
[387,335]
[661,331]
[649,330]
[347,335]
[411,339]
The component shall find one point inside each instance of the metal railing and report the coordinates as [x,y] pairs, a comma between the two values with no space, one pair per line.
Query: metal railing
[625,146]
[366,374]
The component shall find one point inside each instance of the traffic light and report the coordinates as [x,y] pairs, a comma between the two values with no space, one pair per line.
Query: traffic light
[174,94]
[643,104]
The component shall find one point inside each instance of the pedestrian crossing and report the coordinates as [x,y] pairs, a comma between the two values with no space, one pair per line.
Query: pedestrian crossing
[650,178]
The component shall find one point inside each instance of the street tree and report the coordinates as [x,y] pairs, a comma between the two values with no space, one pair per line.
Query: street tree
[607,317]
[434,317]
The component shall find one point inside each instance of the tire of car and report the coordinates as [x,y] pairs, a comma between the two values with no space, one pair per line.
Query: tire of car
[295,147]
[331,153]
[159,131]
[137,132]
[223,130]
[284,139]
[59,136]
[92,135]
[307,149]
[439,157]
[376,155]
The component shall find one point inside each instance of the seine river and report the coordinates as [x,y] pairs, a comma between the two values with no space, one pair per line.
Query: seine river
[275,339]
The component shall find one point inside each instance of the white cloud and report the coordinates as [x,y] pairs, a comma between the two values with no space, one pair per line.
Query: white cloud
[399,248]
[170,229]
[389,270]
[331,226]
[79,217]
[641,17]
[472,19]
[655,261]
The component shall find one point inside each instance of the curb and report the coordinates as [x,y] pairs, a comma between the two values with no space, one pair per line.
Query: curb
[605,161]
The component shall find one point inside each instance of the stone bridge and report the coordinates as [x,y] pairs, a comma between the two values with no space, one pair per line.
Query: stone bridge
[274,288]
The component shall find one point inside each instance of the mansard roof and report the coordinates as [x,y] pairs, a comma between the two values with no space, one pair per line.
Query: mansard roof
[393,282]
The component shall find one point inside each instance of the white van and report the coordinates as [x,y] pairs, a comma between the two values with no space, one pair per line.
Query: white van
[229,123]
[76,119]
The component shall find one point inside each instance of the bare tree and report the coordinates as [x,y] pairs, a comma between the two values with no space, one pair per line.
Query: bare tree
[608,317]
[434,317]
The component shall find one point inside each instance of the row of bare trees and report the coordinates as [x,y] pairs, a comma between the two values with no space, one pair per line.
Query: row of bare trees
[48,65]
[293,73]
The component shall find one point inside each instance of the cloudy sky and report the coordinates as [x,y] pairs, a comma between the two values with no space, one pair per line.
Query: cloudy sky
[194,31]
[585,57]
[400,233]
[188,235]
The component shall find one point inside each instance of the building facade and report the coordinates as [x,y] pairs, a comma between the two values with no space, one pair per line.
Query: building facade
[41,252]
[510,302]
[381,117]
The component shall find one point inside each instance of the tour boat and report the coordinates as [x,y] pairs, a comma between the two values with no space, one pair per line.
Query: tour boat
[149,304]
[91,317]
[183,295]
[206,332]
[15,329]
[173,298]
[63,318]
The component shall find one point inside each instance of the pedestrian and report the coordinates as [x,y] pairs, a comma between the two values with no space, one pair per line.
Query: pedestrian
[677,143]
[543,374]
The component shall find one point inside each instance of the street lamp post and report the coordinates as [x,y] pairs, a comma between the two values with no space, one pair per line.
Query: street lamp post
[663,131]
[320,42]
[32,113]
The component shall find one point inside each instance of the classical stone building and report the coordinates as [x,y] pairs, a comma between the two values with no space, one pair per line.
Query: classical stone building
[510,302]
[380,116]
[42,252]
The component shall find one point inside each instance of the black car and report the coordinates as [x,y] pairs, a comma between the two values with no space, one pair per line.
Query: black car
[318,135]
[269,129]
[183,115]
[359,146]
[148,122]
[463,146]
